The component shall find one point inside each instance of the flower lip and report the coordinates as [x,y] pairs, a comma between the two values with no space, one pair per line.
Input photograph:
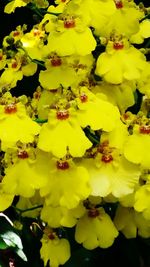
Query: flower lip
[62,165]
[10,108]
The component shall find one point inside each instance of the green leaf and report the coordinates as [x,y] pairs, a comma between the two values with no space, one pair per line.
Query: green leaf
[3,245]
[12,239]
[21,254]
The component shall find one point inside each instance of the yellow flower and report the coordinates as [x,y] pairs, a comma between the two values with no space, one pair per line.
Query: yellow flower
[33,43]
[143,83]
[29,203]
[137,144]
[67,184]
[61,216]
[120,62]
[111,173]
[89,106]
[142,200]
[18,67]
[125,222]
[131,223]
[69,36]
[6,199]
[124,20]
[62,133]
[28,172]
[120,95]
[3,60]
[144,32]
[16,125]
[53,249]
[95,229]
[97,16]
[11,6]
[58,72]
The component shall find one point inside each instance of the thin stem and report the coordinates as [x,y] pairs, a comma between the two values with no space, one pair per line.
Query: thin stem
[29,209]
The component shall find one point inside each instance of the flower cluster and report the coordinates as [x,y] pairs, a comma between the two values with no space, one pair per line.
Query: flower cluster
[74,147]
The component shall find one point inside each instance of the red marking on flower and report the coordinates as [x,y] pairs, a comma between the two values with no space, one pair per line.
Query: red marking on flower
[51,236]
[62,114]
[126,116]
[145,129]
[10,108]
[62,165]
[56,61]
[36,32]
[83,98]
[118,45]
[1,57]
[93,213]
[119,4]
[22,154]
[14,64]
[16,33]
[106,158]
[69,23]
[37,95]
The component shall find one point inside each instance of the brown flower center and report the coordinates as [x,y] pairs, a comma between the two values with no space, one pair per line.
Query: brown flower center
[93,213]
[106,158]
[10,108]
[62,165]
[22,154]
[62,114]
[118,45]
[145,129]
[118,4]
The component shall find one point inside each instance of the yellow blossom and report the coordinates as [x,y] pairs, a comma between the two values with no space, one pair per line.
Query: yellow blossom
[53,249]
[6,199]
[118,178]
[15,125]
[76,34]
[28,173]
[120,62]
[95,229]
[11,6]
[131,223]
[120,95]
[18,67]
[25,203]
[62,132]
[142,200]
[67,184]
[137,144]
[61,216]
[89,106]
[144,32]
[58,72]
